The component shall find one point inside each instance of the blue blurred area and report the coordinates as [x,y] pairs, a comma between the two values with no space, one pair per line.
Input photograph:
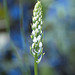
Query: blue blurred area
[1,1]
[16,36]
[15,33]
[59,10]
[14,72]
[26,17]
[15,12]
[10,3]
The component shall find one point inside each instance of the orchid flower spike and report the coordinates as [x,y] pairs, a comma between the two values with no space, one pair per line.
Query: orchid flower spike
[37,35]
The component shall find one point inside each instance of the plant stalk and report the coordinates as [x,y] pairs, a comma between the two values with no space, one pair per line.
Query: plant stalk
[35,66]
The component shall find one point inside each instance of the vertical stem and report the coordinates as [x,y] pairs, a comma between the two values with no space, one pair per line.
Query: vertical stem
[21,23]
[6,15]
[35,65]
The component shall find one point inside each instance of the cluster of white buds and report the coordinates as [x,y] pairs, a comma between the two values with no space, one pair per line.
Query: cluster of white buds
[37,35]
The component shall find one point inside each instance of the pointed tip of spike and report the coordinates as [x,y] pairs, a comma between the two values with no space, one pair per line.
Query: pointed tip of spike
[38,4]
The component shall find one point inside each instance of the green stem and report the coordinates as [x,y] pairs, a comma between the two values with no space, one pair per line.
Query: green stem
[6,15]
[35,66]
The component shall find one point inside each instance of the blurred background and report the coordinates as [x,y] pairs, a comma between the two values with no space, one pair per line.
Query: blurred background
[59,37]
